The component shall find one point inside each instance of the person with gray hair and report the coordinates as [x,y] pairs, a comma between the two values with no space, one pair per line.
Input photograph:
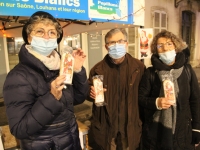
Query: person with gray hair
[169,97]
[116,125]
[39,106]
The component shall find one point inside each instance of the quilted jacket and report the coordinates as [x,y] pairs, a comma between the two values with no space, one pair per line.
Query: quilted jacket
[34,115]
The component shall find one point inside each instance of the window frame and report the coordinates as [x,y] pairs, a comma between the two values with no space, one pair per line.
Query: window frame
[133,52]
[160,28]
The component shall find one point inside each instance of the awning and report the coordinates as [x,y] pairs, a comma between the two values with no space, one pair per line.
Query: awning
[91,10]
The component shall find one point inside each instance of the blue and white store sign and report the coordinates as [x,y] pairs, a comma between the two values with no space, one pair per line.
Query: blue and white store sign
[97,10]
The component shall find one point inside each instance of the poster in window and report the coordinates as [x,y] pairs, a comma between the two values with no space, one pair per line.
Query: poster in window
[145,38]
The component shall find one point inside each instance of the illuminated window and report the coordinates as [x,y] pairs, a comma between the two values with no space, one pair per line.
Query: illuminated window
[72,41]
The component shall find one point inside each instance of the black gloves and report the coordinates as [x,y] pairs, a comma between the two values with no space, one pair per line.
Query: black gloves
[195,137]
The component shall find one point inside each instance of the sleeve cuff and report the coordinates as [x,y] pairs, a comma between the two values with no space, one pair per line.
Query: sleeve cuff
[159,108]
[77,71]
[196,130]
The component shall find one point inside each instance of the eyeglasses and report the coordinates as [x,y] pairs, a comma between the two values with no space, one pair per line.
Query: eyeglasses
[114,42]
[52,33]
[169,44]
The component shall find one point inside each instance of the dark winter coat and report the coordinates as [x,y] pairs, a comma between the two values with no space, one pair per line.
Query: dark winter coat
[102,124]
[188,104]
[34,115]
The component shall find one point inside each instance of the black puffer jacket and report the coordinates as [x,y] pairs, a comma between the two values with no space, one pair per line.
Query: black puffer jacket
[35,116]
[188,104]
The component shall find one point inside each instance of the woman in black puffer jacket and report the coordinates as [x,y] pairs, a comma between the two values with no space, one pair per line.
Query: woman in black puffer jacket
[171,118]
[39,106]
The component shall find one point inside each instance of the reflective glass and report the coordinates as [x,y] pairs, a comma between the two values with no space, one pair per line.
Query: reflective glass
[167,44]
[52,33]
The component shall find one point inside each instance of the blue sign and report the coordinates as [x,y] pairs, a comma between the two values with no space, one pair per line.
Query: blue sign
[119,11]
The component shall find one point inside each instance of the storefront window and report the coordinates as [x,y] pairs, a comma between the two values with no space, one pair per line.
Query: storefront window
[11,45]
[14,44]
[18,43]
[72,41]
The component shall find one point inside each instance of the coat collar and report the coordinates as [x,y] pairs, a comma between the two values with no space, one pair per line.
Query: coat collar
[32,62]
[108,62]
[180,59]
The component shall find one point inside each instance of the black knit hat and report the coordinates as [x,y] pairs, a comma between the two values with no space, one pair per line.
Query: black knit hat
[31,19]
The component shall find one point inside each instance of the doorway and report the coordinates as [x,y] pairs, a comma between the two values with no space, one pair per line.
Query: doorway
[188,22]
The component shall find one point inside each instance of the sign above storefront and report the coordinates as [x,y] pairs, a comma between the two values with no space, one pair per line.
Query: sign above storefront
[120,11]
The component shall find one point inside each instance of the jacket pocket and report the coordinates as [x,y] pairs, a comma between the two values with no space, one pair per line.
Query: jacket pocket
[134,76]
[184,134]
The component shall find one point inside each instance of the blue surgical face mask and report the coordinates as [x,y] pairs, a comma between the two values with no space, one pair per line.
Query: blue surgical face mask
[117,51]
[43,46]
[167,57]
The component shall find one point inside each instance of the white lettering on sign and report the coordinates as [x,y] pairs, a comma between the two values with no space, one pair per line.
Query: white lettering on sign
[75,3]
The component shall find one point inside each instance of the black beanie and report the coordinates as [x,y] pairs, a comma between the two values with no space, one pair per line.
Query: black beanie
[44,15]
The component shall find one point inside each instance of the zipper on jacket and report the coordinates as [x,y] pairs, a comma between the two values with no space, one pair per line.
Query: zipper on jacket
[118,105]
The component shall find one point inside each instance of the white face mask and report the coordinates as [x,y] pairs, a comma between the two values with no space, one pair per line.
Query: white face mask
[43,46]
[117,51]
[167,57]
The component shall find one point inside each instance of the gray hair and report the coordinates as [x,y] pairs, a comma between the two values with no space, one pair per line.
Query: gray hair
[46,21]
[116,30]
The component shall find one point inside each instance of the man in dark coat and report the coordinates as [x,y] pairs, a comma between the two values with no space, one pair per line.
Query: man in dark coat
[116,125]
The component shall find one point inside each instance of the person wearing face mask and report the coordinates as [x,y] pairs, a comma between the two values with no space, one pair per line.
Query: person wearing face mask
[39,106]
[116,125]
[169,123]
